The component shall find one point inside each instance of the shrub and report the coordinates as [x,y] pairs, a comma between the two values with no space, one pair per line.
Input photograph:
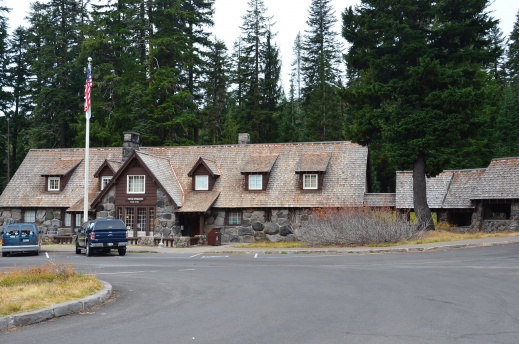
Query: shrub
[355,226]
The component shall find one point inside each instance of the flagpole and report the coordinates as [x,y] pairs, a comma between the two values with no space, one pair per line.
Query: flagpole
[87,140]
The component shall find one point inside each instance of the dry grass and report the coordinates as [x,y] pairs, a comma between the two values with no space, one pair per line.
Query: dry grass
[27,289]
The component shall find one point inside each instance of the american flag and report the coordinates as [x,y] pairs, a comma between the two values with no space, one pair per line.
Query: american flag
[88,87]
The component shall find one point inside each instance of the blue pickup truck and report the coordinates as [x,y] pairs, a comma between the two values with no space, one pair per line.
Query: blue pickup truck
[102,235]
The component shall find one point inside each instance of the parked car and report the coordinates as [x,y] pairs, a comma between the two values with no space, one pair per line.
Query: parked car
[104,235]
[20,237]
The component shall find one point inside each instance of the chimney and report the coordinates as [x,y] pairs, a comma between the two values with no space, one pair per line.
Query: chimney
[243,138]
[130,144]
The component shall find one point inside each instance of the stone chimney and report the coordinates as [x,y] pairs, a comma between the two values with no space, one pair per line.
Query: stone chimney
[243,138]
[131,143]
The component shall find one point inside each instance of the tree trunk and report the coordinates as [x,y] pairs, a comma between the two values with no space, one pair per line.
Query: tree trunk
[421,208]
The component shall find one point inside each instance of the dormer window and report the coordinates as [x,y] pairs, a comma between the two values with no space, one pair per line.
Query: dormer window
[53,183]
[255,182]
[310,181]
[311,169]
[202,182]
[257,171]
[204,174]
[105,181]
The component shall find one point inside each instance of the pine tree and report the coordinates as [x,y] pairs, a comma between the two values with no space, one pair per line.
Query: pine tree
[320,71]
[256,75]
[418,81]
[215,90]
[19,114]
[5,98]
[55,37]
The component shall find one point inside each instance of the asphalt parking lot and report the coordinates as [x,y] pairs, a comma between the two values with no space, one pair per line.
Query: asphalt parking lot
[440,296]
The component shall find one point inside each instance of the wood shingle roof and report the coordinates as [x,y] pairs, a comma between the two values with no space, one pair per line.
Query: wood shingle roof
[344,183]
[500,180]
[449,190]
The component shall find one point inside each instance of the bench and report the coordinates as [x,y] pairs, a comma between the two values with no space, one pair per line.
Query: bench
[64,239]
[168,242]
[133,240]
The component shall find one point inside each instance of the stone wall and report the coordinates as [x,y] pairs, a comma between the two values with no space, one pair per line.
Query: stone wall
[254,227]
[48,221]
[482,219]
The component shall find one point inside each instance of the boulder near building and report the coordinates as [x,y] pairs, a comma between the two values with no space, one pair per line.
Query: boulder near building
[250,191]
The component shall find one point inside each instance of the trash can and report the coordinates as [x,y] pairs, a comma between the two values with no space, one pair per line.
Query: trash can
[214,237]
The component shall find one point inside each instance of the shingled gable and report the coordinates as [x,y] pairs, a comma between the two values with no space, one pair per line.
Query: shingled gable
[500,180]
[451,189]
[259,164]
[158,168]
[113,166]
[209,165]
[61,167]
[313,163]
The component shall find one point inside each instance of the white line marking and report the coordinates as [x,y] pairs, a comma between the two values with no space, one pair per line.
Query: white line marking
[195,255]
[46,254]
[256,255]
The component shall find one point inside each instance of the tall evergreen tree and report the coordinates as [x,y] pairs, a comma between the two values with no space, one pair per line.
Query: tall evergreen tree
[321,74]
[512,58]
[216,95]
[5,98]
[21,109]
[55,37]
[116,41]
[417,81]
[257,74]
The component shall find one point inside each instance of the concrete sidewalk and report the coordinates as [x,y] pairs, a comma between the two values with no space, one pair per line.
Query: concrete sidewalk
[232,249]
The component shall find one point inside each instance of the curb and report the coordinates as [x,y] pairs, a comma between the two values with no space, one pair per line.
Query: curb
[366,250]
[55,311]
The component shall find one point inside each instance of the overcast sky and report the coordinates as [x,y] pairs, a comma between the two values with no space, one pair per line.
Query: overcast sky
[289,15]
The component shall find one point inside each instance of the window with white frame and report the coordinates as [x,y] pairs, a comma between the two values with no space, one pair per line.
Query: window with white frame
[310,181]
[29,216]
[255,182]
[136,184]
[104,181]
[68,220]
[201,182]
[234,218]
[53,184]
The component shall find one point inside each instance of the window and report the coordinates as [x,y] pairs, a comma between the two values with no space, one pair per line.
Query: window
[201,182]
[310,181]
[255,182]
[53,184]
[136,184]
[104,181]
[29,216]
[234,218]
[79,219]
[68,220]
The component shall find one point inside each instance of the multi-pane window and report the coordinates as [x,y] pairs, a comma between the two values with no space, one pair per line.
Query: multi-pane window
[129,216]
[255,182]
[234,218]
[136,184]
[201,182]
[68,220]
[79,219]
[29,216]
[104,181]
[53,184]
[310,181]
[141,218]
